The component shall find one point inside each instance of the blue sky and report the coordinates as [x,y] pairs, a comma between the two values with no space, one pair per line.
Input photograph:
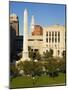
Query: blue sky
[45,14]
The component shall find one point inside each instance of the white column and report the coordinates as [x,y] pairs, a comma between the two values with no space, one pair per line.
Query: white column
[32,25]
[25,36]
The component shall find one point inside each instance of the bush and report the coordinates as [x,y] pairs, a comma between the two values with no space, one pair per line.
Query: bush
[51,66]
[31,68]
[48,54]
[62,66]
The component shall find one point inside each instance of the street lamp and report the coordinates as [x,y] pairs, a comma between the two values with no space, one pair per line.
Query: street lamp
[33,80]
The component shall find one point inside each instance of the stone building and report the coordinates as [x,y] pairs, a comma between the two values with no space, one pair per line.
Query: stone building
[14,21]
[49,37]
[14,33]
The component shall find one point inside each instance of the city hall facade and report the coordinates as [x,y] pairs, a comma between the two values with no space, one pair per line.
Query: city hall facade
[45,38]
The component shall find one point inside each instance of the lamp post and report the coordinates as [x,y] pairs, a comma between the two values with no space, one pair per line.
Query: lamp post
[33,74]
[33,80]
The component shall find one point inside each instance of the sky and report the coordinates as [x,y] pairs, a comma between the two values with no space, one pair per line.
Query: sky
[44,14]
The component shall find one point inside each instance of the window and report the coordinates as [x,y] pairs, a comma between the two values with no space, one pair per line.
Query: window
[52,39]
[30,39]
[49,39]
[46,39]
[40,39]
[58,34]
[49,33]
[36,50]
[31,49]
[52,33]
[46,33]
[58,39]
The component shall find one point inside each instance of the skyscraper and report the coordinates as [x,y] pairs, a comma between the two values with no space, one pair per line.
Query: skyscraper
[14,21]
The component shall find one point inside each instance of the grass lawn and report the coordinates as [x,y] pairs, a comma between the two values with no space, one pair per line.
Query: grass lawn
[25,81]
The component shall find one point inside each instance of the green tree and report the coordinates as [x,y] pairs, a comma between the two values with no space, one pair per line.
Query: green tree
[13,70]
[45,55]
[20,65]
[31,53]
[51,67]
[51,53]
[31,68]
[62,65]
[27,67]
[37,68]
[38,56]
[48,54]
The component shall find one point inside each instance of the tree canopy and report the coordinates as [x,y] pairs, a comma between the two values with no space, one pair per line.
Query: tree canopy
[47,54]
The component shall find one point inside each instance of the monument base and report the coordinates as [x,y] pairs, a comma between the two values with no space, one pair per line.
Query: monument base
[25,55]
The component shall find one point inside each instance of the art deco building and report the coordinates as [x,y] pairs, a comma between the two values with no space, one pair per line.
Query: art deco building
[14,33]
[54,38]
[45,38]
[15,23]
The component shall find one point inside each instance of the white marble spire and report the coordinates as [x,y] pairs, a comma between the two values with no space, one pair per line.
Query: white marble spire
[32,24]
[25,36]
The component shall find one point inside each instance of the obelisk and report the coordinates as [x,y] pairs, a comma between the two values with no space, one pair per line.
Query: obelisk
[25,36]
[32,24]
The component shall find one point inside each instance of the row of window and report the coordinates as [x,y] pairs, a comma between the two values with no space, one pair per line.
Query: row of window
[56,46]
[53,39]
[53,33]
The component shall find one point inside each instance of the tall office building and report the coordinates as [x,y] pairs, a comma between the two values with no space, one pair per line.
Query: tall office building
[14,21]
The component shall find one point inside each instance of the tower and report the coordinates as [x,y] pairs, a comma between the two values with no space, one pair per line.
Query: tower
[32,24]
[14,21]
[25,34]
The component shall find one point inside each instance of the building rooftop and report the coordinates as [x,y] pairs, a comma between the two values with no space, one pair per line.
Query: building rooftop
[13,17]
